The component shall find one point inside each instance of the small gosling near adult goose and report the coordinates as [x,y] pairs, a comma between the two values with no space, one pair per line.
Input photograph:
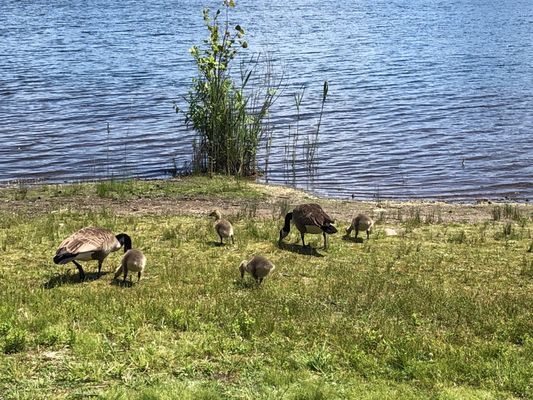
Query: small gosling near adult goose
[361,222]
[135,261]
[308,218]
[90,243]
[223,227]
[258,266]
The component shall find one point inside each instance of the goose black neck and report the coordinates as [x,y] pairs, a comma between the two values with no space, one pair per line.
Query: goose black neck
[124,240]
[287,226]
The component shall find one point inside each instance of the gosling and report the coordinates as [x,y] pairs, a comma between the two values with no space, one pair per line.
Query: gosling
[258,266]
[134,260]
[223,227]
[361,222]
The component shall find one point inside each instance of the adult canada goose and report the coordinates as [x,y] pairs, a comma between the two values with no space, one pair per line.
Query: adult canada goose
[134,260]
[308,218]
[258,266]
[361,222]
[223,227]
[90,244]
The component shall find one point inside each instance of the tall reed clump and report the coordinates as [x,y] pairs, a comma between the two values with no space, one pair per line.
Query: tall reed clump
[226,115]
[310,144]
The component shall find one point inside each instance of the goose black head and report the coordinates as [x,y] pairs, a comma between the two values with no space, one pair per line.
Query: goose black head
[286,228]
[282,234]
[124,241]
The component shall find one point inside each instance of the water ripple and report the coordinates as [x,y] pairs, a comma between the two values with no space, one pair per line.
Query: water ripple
[427,99]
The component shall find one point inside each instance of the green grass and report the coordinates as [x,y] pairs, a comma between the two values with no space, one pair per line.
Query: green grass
[442,311]
[192,186]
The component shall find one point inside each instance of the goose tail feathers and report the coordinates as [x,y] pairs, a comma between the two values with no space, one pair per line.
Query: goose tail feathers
[63,258]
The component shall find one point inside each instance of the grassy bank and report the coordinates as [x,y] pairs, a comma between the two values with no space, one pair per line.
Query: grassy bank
[442,310]
[195,186]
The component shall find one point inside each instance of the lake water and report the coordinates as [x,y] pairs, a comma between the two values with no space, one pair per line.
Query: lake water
[427,99]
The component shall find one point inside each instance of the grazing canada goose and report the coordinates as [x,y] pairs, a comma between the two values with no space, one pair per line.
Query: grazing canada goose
[308,218]
[223,227]
[361,222]
[90,244]
[134,260]
[258,266]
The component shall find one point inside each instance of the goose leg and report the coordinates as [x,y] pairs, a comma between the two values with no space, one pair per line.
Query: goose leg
[303,240]
[367,235]
[125,273]
[221,242]
[138,276]
[325,240]
[80,270]
[100,267]
[356,232]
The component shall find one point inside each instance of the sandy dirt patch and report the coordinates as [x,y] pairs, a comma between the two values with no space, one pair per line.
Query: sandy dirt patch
[279,200]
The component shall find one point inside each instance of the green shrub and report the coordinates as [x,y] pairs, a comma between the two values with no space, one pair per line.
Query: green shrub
[227,117]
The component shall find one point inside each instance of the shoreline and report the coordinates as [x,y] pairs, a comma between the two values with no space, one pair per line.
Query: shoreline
[163,196]
[35,183]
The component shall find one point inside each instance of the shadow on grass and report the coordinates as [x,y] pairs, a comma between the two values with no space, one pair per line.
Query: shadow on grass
[248,283]
[218,244]
[353,239]
[245,284]
[121,283]
[68,279]
[296,248]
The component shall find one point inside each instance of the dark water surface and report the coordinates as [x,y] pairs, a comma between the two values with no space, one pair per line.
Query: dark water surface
[427,99]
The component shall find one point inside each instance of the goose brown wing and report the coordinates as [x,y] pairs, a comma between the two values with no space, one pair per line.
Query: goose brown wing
[88,240]
[312,214]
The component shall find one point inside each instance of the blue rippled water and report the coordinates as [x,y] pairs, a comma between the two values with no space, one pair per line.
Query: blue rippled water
[427,99]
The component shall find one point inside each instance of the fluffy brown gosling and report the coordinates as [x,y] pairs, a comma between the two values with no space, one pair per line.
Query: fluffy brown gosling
[133,261]
[361,222]
[223,228]
[258,266]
